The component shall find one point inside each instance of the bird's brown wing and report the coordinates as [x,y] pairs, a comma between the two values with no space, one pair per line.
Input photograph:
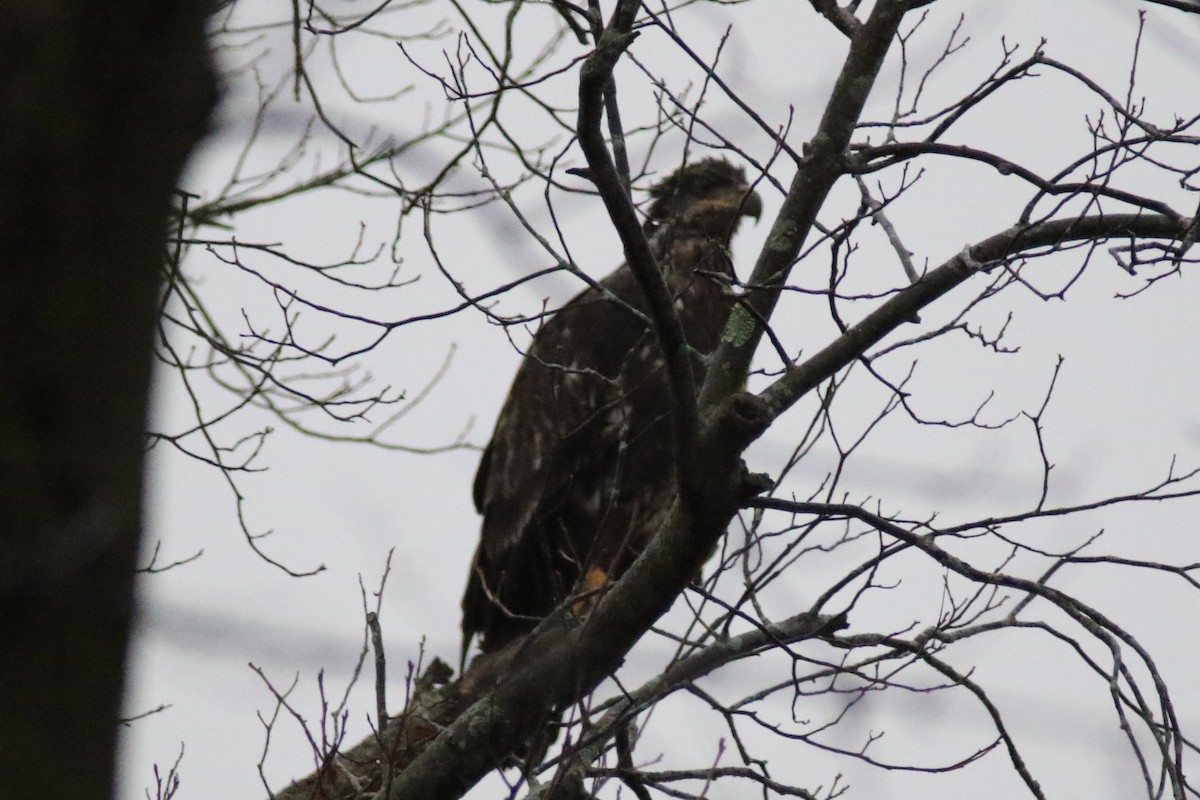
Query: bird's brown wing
[582,452]
[546,463]
[581,446]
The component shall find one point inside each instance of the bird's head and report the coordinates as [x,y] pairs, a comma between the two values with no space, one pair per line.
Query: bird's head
[710,195]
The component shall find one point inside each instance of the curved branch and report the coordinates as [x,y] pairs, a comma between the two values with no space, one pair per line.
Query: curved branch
[841,18]
[899,151]
[901,308]
[1188,6]
[802,626]
[1091,619]
[595,78]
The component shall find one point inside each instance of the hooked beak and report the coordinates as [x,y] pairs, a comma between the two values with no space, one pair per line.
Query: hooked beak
[752,205]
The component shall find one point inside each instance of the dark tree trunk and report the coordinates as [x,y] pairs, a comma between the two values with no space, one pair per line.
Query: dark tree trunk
[100,104]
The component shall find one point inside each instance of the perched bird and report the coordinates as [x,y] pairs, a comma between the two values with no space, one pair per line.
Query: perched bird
[583,444]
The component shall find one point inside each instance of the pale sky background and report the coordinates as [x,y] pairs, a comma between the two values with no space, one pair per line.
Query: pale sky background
[1124,406]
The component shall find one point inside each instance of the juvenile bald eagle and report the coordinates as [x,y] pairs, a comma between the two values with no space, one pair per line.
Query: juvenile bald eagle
[582,446]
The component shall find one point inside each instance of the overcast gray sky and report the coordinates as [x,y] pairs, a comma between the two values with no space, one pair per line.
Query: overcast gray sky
[1124,406]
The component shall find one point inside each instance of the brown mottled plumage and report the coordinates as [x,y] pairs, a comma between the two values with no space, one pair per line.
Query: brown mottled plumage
[582,445]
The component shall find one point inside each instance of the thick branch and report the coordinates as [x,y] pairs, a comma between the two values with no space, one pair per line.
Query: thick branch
[797,628]
[565,658]
[843,20]
[823,164]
